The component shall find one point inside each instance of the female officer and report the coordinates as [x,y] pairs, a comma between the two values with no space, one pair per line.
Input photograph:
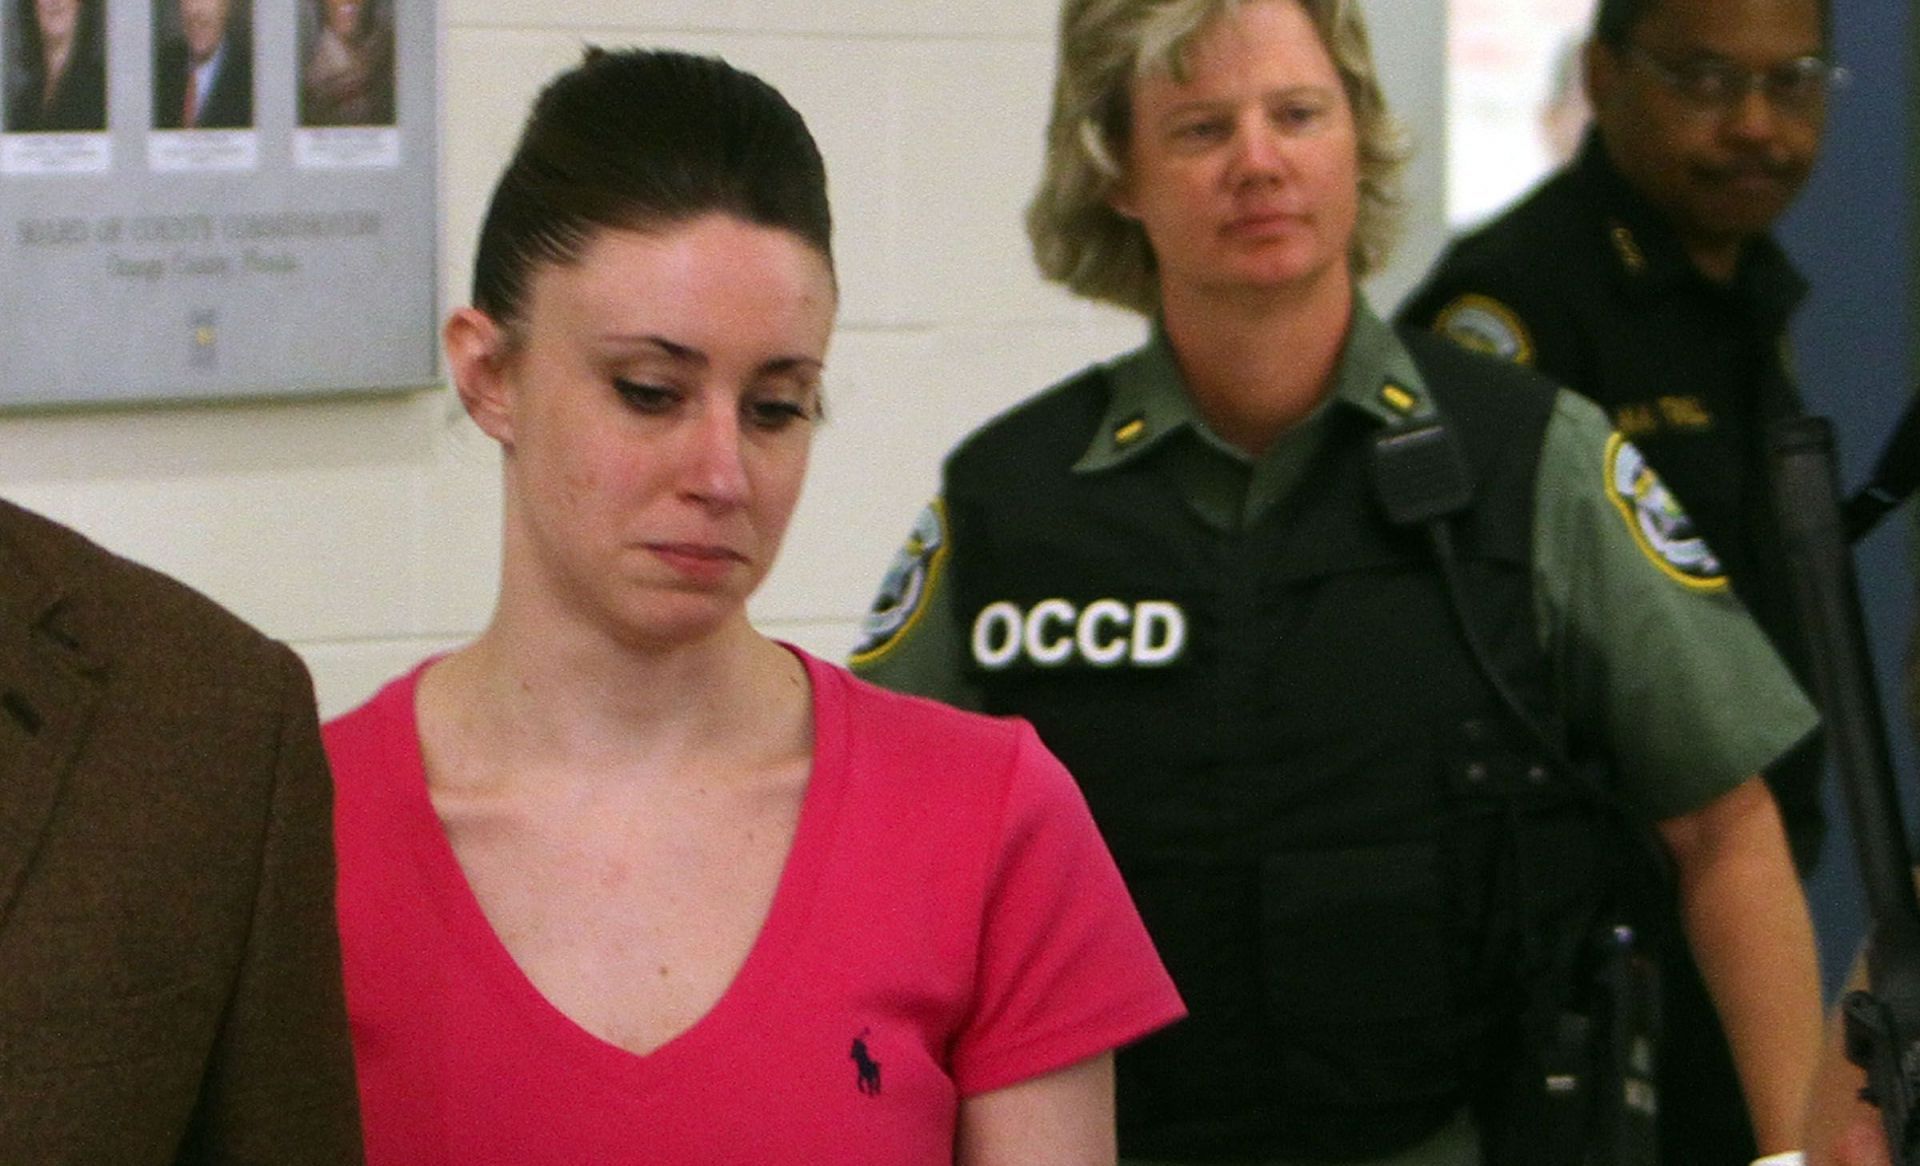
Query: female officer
[1226,577]
[347,77]
[624,881]
[62,83]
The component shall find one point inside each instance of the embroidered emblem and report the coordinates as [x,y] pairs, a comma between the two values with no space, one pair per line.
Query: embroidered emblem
[867,1070]
[1689,413]
[1628,249]
[1663,531]
[908,583]
[1397,398]
[1483,324]
[1672,413]
[1130,431]
[1636,420]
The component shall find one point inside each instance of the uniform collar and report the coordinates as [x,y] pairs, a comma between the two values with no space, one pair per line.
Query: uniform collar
[1147,403]
[1377,375]
[1648,259]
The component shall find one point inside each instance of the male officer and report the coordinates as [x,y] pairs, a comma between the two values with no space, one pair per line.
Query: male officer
[170,984]
[204,79]
[1642,275]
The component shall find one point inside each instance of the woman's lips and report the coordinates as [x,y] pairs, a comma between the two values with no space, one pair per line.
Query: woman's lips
[1264,222]
[703,561]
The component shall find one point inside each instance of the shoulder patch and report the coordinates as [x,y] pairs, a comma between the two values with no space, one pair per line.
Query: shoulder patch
[1483,324]
[905,589]
[1660,527]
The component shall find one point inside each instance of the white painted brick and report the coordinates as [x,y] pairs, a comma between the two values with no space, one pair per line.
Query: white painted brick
[850,94]
[564,14]
[864,18]
[490,79]
[972,143]
[874,464]
[286,513]
[455,574]
[830,639]
[943,20]
[345,675]
[309,554]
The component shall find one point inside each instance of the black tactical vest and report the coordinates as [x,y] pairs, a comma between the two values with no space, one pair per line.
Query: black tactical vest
[1324,815]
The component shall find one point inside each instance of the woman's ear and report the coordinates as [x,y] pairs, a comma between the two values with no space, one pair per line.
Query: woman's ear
[477,356]
[1110,159]
[1120,199]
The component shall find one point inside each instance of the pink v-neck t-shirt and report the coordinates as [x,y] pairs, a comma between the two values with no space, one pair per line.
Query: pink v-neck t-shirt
[948,922]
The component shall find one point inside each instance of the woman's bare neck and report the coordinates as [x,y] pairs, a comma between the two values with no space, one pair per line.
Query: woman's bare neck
[502,710]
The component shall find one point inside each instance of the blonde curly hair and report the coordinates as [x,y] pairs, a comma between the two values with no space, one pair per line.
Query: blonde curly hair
[1079,240]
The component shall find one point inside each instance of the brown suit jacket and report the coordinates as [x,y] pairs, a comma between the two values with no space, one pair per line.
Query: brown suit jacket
[169,966]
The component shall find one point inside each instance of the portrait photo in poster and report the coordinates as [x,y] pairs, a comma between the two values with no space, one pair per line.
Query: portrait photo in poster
[346,63]
[202,64]
[263,186]
[56,66]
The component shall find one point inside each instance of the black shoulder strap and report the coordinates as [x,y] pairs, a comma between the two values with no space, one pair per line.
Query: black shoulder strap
[1421,478]
[1895,476]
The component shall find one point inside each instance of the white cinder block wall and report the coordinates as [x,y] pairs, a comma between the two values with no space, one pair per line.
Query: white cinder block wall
[365,532]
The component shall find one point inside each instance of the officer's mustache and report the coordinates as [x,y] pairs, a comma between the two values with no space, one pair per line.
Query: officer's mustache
[1757,165]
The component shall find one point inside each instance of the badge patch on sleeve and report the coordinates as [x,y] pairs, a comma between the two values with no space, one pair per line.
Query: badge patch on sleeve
[1661,528]
[908,583]
[1483,324]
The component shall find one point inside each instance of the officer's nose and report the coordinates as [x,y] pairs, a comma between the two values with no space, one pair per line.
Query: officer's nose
[1259,152]
[1754,117]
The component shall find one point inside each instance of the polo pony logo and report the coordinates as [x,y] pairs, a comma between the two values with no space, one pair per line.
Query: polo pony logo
[868,1081]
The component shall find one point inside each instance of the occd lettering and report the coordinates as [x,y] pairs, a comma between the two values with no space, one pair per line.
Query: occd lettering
[1107,632]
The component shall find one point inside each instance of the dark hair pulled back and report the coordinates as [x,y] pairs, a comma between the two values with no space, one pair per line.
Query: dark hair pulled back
[643,140]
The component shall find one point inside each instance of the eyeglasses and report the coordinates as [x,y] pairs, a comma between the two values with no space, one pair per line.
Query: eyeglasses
[1716,87]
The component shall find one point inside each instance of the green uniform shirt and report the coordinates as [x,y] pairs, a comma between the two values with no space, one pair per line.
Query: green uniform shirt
[1652,656]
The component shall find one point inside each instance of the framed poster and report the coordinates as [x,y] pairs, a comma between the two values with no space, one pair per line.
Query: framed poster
[215,199]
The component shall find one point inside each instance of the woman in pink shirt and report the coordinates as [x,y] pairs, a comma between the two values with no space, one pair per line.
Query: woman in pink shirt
[623,880]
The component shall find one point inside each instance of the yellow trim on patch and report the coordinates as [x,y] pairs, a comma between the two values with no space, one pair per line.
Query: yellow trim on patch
[1502,315]
[1632,519]
[934,567]
[1130,432]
